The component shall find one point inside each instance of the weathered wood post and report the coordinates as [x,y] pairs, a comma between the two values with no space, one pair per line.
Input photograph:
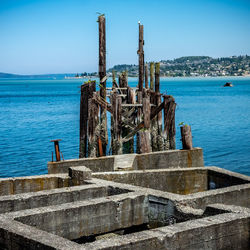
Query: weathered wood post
[146,76]
[186,137]
[140,53]
[87,90]
[169,122]
[102,76]
[117,122]
[154,126]
[152,76]
[144,136]
[157,77]
[158,102]
[113,80]
[123,83]
[92,124]
[131,100]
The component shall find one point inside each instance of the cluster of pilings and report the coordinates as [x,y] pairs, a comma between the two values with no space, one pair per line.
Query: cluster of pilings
[142,119]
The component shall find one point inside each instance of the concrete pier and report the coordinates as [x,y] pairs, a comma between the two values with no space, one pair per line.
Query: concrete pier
[159,200]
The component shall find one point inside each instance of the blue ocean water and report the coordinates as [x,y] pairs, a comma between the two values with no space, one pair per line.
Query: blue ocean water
[35,111]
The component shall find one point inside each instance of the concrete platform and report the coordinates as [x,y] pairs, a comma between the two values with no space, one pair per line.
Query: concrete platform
[163,200]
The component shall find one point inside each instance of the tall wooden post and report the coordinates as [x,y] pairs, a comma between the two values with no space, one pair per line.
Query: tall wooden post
[152,76]
[87,90]
[102,76]
[145,137]
[128,147]
[169,122]
[140,53]
[154,126]
[158,102]
[92,124]
[157,77]
[141,57]
[117,120]
[146,76]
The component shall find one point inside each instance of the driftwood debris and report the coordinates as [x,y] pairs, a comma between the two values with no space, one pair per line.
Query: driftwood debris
[141,119]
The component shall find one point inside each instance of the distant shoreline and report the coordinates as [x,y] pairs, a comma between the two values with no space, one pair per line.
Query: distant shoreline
[130,77]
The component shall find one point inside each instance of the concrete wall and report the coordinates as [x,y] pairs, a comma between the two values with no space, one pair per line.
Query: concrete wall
[9,186]
[85,218]
[180,181]
[170,159]
[53,197]
[156,160]
[224,231]
[100,164]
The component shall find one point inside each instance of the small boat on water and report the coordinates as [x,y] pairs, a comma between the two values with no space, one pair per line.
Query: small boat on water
[228,84]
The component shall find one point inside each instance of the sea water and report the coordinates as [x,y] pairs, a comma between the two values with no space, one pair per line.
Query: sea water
[33,112]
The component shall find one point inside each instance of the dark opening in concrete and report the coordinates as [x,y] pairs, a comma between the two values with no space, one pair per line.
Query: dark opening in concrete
[221,180]
[171,219]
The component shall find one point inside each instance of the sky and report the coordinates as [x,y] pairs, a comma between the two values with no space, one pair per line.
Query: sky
[59,36]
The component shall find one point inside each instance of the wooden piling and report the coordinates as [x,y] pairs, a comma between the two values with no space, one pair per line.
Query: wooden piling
[160,141]
[117,121]
[144,135]
[128,147]
[114,84]
[87,90]
[141,57]
[169,122]
[146,76]
[152,76]
[123,83]
[186,137]
[157,77]
[92,125]
[102,76]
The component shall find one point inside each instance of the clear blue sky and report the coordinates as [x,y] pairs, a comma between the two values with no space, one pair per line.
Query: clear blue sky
[58,36]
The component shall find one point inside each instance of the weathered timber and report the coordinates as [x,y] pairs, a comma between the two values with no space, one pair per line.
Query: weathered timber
[146,76]
[145,142]
[152,76]
[114,83]
[144,135]
[131,96]
[139,100]
[186,137]
[103,104]
[117,121]
[141,124]
[146,112]
[160,141]
[102,53]
[139,119]
[169,122]
[87,90]
[123,84]
[157,77]
[133,111]
[128,119]
[102,75]
[92,125]
[141,58]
